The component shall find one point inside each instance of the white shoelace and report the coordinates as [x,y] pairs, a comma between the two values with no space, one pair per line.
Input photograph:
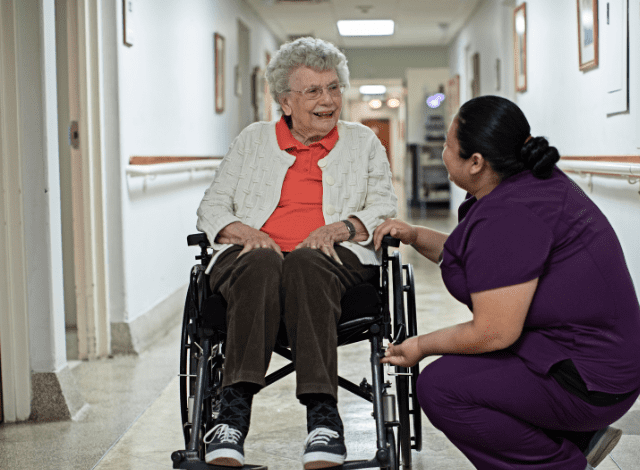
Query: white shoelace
[224,432]
[320,436]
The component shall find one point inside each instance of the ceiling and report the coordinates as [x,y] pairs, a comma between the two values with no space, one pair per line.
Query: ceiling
[417,22]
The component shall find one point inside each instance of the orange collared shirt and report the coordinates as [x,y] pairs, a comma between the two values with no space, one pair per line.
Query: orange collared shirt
[299,211]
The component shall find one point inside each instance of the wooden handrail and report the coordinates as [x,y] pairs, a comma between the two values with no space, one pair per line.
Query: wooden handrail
[170,165]
[152,160]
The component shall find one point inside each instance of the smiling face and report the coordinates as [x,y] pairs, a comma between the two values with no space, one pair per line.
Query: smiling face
[311,119]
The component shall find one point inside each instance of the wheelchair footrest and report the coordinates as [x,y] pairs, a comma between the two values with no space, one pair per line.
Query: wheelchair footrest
[205,466]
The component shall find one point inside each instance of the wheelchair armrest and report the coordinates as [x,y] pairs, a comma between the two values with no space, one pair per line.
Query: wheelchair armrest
[197,239]
[388,240]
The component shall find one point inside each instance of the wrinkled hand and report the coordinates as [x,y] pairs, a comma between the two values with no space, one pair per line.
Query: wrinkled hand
[251,239]
[405,354]
[324,239]
[406,233]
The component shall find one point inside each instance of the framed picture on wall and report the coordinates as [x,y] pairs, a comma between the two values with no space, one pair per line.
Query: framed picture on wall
[475,81]
[587,34]
[453,96]
[520,46]
[257,94]
[218,47]
[267,94]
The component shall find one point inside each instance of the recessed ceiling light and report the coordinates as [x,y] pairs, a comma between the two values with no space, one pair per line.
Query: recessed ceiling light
[373,90]
[375,104]
[393,102]
[365,27]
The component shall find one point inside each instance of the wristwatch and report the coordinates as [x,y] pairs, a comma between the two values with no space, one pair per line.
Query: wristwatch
[351,228]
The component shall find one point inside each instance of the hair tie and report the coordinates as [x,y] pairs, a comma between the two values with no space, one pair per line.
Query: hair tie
[527,139]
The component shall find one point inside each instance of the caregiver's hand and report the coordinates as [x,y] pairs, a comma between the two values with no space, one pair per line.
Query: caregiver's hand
[405,354]
[406,233]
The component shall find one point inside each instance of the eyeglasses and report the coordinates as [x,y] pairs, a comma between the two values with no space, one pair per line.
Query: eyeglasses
[315,92]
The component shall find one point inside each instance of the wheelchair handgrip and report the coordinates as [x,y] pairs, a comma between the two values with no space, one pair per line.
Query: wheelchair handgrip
[197,238]
[201,237]
[390,241]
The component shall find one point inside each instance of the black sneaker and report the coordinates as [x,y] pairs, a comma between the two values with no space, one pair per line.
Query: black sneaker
[225,446]
[602,444]
[324,448]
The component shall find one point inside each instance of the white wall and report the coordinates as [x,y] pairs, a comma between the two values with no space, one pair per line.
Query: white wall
[166,107]
[39,150]
[562,103]
[566,105]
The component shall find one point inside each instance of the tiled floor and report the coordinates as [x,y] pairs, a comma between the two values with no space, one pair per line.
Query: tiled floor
[133,421]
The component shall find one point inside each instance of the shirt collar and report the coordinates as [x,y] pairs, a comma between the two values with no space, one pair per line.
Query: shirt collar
[287,141]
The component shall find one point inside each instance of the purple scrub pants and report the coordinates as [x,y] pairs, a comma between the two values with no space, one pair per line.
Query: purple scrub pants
[496,410]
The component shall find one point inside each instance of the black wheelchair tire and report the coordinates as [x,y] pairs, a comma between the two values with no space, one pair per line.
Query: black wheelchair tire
[394,455]
[184,372]
[412,329]
[404,430]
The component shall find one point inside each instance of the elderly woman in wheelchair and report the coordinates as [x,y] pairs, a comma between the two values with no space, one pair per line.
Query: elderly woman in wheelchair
[291,214]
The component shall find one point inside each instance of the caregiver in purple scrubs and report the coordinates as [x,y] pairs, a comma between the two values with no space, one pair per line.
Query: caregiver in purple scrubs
[552,355]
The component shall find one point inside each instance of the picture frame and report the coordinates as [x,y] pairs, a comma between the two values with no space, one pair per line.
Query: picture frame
[587,34]
[475,81]
[520,47]
[218,48]
[237,81]
[267,94]
[453,96]
[257,94]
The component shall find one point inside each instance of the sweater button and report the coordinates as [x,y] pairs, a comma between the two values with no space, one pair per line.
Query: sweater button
[330,181]
[322,163]
[330,209]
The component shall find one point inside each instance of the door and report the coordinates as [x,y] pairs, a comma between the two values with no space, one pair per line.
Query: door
[66,80]
[242,79]
[381,128]
[81,187]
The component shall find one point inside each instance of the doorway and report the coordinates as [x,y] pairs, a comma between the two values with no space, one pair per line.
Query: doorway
[381,128]
[66,75]
[242,83]
[1,414]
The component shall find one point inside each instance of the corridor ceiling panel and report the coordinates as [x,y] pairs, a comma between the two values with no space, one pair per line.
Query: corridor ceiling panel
[417,22]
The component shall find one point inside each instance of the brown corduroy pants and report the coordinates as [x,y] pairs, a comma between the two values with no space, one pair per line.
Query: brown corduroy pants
[304,290]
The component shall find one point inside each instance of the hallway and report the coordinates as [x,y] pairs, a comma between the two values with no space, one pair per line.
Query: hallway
[132,421]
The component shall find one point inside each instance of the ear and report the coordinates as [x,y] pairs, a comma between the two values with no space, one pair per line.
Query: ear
[285,104]
[478,164]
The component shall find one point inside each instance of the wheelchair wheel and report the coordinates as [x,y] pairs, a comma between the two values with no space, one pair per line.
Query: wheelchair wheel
[394,455]
[412,329]
[404,430]
[191,353]
[401,331]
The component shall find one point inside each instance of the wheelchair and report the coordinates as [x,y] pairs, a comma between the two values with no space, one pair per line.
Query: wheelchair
[384,309]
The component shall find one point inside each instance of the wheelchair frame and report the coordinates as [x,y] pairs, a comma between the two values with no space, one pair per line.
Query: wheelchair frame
[202,364]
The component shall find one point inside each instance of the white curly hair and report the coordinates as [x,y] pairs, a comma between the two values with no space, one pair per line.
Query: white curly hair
[308,52]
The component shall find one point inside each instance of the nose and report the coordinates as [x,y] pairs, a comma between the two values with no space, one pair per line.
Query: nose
[325,97]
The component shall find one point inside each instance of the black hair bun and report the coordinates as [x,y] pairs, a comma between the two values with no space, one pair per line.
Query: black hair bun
[539,157]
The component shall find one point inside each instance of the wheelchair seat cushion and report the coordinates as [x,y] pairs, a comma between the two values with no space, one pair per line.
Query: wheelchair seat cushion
[360,301]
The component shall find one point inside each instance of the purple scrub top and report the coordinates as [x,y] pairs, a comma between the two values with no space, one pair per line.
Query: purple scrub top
[585,307]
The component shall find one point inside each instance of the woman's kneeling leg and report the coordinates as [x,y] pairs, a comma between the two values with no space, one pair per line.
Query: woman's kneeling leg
[495,410]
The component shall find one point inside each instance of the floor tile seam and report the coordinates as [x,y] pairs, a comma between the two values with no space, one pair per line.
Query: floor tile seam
[135,420]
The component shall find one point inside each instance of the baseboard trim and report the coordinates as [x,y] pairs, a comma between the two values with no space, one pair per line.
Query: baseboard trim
[55,397]
[136,336]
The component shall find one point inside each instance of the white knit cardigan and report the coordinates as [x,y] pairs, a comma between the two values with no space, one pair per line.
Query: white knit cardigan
[356,182]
